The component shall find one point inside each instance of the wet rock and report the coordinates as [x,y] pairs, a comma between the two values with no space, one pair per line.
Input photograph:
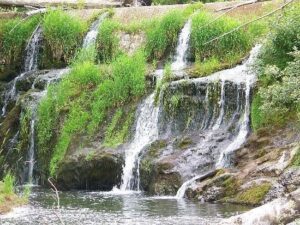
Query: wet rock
[92,170]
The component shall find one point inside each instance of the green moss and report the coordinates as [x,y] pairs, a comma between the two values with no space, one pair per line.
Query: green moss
[184,143]
[253,195]
[154,148]
[90,156]
[296,159]
[257,120]
[26,116]
[231,186]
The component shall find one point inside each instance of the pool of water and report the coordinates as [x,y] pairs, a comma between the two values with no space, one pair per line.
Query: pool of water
[78,208]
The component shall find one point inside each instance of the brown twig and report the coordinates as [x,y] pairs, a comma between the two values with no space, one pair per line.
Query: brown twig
[57,200]
[251,21]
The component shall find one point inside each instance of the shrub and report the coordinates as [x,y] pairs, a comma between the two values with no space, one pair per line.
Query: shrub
[283,38]
[107,41]
[281,99]
[63,34]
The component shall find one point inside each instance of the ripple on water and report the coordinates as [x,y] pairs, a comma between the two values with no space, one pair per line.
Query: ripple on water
[108,208]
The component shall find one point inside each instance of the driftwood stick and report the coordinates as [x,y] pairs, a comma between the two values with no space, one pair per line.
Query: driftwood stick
[54,189]
[249,22]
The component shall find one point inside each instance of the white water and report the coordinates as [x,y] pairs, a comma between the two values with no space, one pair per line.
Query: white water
[30,63]
[238,74]
[146,132]
[91,36]
[32,50]
[180,61]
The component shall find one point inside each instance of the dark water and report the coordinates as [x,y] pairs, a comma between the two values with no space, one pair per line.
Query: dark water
[79,208]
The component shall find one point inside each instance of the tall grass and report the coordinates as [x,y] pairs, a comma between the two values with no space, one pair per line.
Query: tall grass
[63,34]
[82,100]
[202,32]
[8,184]
[107,41]
[161,37]
[14,35]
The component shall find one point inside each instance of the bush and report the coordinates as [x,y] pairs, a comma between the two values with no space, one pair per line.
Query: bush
[63,34]
[284,37]
[107,41]
[281,99]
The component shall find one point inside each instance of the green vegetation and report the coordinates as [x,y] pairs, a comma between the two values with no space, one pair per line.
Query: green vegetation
[296,159]
[119,128]
[277,100]
[224,52]
[107,41]
[63,35]
[82,100]
[254,195]
[162,37]
[8,197]
[172,2]
[14,34]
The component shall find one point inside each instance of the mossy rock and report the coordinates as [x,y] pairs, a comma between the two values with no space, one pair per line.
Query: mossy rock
[184,143]
[253,195]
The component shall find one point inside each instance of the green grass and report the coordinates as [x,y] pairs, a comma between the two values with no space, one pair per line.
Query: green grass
[235,43]
[107,41]
[161,37]
[82,100]
[63,35]
[14,34]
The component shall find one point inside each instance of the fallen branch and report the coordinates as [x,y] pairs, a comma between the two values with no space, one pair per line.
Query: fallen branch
[249,22]
[54,189]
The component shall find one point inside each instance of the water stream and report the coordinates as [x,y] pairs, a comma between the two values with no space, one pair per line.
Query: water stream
[244,78]
[180,60]
[145,132]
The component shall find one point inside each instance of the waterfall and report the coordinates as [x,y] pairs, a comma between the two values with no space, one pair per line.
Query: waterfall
[244,78]
[91,36]
[32,50]
[145,132]
[147,120]
[30,63]
[180,61]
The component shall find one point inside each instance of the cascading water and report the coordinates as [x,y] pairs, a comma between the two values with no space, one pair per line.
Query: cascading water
[180,61]
[145,132]
[30,63]
[32,50]
[147,121]
[91,36]
[243,78]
